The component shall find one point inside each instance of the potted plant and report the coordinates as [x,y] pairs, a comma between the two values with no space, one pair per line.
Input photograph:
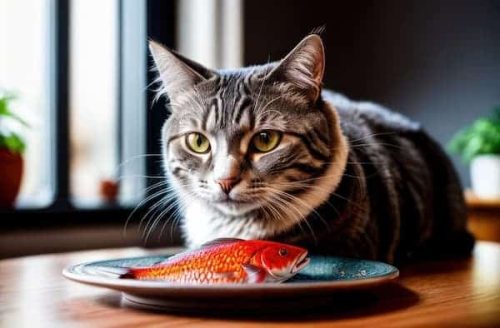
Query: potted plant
[12,147]
[479,145]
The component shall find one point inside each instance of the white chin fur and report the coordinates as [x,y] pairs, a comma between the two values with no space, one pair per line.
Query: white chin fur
[235,209]
[202,223]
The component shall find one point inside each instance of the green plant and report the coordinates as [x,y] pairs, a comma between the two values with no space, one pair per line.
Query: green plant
[9,139]
[481,138]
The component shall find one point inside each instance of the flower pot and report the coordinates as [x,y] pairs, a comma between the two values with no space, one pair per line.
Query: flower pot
[11,171]
[485,176]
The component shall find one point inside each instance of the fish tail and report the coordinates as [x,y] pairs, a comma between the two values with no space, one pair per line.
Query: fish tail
[113,272]
[129,274]
[122,272]
[134,273]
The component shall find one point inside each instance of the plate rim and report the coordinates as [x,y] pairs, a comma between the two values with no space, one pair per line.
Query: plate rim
[128,285]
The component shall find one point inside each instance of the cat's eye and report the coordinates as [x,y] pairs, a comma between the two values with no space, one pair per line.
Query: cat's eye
[198,143]
[266,140]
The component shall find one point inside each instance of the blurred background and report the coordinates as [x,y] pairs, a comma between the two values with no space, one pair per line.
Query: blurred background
[78,73]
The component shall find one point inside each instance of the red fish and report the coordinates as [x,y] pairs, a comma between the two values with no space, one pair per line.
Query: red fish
[228,261]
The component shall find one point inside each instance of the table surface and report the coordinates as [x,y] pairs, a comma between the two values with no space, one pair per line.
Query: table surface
[454,292]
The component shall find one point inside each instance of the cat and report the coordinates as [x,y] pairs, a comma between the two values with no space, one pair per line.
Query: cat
[263,152]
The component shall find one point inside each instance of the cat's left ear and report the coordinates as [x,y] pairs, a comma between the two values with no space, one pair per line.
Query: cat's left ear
[177,73]
[303,67]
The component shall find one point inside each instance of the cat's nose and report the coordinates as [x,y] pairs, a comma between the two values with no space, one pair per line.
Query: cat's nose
[227,184]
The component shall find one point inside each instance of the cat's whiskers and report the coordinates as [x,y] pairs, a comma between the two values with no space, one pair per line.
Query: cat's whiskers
[146,190]
[278,211]
[142,176]
[258,95]
[335,194]
[154,221]
[136,157]
[360,178]
[280,194]
[356,162]
[268,211]
[373,143]
[175,218]
[306,186]
[265,205]
[141,203]
[180,207]
[307,207]
[160,201]
[155,207]
[285,206]
[370,135]
[297,183]
[262,111]
[159,194]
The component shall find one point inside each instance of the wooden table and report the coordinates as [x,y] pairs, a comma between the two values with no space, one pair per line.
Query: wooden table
[454,293]
[484,217]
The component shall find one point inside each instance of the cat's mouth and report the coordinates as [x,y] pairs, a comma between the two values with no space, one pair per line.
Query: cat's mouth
[232,201]
[236,207]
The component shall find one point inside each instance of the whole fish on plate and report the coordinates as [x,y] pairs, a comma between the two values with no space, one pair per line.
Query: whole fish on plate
[227,261]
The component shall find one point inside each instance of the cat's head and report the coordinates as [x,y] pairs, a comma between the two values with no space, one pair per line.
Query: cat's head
[255,139]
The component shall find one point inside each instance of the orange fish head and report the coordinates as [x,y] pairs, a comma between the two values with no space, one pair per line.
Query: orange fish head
[282,261]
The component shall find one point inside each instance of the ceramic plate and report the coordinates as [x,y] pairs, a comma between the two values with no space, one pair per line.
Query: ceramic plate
[323,276]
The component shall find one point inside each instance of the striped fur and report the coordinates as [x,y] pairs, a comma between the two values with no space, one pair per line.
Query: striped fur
[348,178]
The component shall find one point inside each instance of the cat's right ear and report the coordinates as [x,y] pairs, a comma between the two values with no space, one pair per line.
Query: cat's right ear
[303,67]
[175,72]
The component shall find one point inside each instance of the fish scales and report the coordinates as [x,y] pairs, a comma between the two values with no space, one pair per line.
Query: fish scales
[227,261]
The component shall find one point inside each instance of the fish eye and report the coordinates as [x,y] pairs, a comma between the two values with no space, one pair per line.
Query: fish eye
[198,143]
[283,252]
[266,140]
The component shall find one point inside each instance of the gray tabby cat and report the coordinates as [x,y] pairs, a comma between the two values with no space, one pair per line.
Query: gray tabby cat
[263,153]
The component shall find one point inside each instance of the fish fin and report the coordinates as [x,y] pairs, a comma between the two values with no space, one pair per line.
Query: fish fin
[254,273]
[128,275]
[221,241]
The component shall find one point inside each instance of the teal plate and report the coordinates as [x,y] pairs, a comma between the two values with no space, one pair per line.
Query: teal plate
[323,276]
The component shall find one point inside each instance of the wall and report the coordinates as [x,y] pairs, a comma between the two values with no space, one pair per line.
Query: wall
[436,61]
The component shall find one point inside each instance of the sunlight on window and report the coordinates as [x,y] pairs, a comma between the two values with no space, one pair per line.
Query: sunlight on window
[211,32]
[24,70]
[93,97]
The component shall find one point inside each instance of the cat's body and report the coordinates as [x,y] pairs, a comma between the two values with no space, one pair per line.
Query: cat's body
[263,153]
[399,196]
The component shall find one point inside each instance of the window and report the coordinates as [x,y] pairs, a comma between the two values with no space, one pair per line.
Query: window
[81,71]
[210,32]
[83,91]
[93,103]
[24,71]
